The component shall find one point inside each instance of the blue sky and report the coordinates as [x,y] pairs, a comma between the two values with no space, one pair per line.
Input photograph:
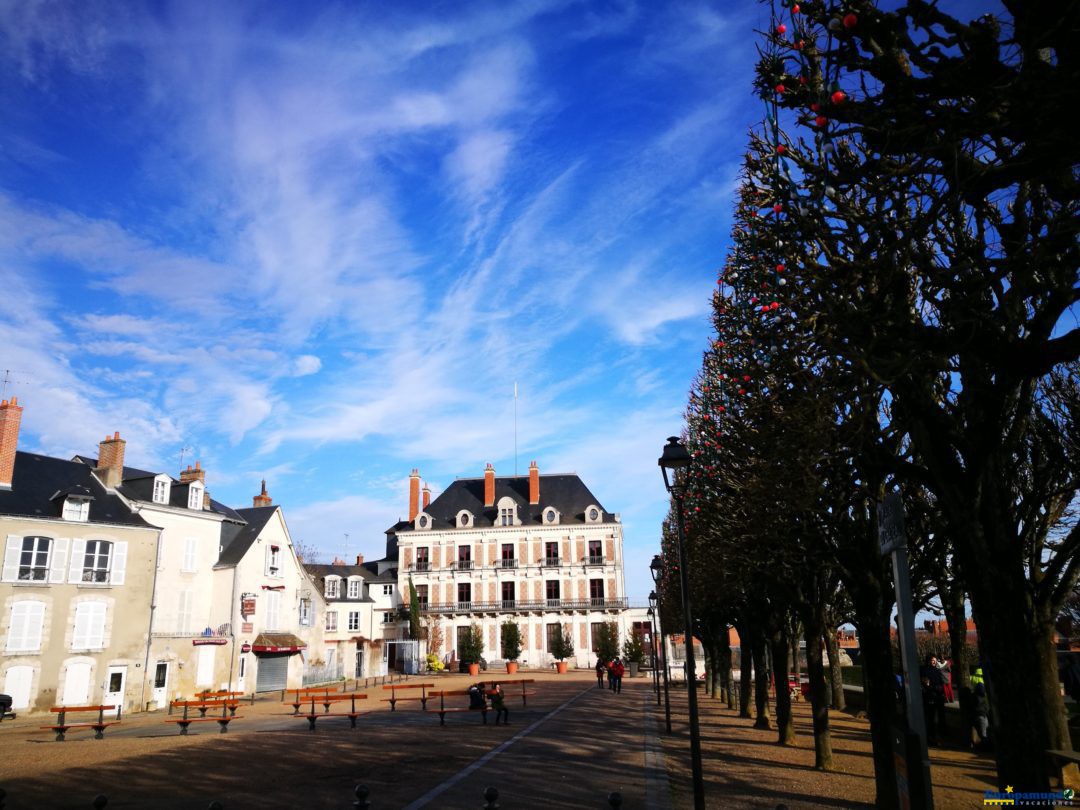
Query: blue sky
[319,243]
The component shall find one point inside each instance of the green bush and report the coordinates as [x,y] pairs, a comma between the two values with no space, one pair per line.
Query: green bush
[562,647]
[634,648]
[472,646]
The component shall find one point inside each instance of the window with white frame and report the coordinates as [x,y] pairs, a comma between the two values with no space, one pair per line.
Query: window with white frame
[190,549]
[183,613]
[354,620]
[195,496]
[273,561]
[331,620]
[34,559]
[24,626]
[333,588]
[387,590]
[354,588]
[506,516]
[161,489]
[388,617]
[96,561]
[89,626]
[76,509]
[305,612]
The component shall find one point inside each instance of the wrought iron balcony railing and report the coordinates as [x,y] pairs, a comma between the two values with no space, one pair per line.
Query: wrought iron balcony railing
[520,605]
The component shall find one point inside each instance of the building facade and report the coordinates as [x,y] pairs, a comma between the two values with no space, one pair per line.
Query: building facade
[538,549]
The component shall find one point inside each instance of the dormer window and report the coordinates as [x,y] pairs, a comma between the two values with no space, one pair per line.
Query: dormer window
[76,508]
[195,496]
[333,588]
[551,516]
[354,588]
[507,512]
[464,519]
[161,489]
[592,514]
[423,521]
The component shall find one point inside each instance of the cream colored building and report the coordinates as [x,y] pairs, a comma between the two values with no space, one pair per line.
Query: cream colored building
[537,549]
[273,608]
[77,582]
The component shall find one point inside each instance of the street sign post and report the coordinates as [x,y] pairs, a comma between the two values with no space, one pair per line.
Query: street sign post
[913,785]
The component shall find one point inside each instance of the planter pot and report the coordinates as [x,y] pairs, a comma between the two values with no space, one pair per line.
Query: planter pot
[511,667]
[474,670]
[560,667]
[634,669]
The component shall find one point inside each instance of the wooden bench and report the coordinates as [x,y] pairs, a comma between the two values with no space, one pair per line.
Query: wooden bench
[525,692]
[62,726]
[396,687]
[228,713]
[352,714]
[443,711]
[223,694]
[301,696]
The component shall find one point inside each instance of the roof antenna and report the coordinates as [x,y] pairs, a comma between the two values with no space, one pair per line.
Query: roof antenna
[183,452]
[8,381]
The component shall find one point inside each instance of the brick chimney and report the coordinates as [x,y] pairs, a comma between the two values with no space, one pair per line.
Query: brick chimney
[414,494]
[110,463]
[489,485]
[195,473]
[359,559]
[10,417]
[263,498]
[534,483]
[338,561]
[427,497]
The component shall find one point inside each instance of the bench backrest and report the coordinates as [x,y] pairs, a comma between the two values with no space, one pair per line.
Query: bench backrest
[208,704]
[81,708]
[393,686]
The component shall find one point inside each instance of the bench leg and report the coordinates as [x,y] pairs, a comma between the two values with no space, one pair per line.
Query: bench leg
[224,723]
[484,715]
[99,732]
[183,728]
[60,735]
[352,720]
[311,722]
[442,718]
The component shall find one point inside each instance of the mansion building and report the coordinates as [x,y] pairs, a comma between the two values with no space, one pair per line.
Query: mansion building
[536,549]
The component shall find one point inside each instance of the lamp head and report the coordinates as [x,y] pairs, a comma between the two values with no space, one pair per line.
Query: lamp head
[673,462]
[655,567]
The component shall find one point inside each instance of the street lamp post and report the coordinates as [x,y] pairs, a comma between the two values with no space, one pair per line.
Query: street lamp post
[651,613]
[673,464]
[655,570]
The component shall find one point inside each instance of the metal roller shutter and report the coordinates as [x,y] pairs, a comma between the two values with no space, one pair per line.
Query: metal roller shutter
[273,672]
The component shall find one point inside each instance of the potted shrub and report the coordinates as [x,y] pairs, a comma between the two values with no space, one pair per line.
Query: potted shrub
[634,652]
[562,647]
[511,645]
[472,649]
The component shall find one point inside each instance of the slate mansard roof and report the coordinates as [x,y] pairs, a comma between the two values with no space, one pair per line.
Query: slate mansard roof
[566,493]
[320,571]
[237,538]
[40,483]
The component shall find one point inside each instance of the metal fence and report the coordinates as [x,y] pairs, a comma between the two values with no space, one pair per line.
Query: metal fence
[323,673]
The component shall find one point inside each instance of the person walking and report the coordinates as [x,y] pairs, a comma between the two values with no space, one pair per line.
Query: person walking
[611,675]
[617,669]
[600,670]
[498,703]
[933,695]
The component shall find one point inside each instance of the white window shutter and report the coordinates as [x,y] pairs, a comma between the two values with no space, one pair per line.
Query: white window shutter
[80,638]
[269,556]
[11,557]
[78,552]
[17,627]
[119,562]
[58,560]
[96,629]
[35,619]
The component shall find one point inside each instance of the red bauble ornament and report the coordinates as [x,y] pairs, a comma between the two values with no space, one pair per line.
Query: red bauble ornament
[746,378]
[800,44]
[795,9]
[779,268]
[803,80]
[721,408]
[780,88]
[742,390]
[839,97]
[782,29]
[815,107]
[777,208]
[780,149]
[850,21]
[821,120]
[765,308]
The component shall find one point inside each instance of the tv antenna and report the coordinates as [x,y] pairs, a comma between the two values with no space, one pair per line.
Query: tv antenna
[183,451]
[9,380]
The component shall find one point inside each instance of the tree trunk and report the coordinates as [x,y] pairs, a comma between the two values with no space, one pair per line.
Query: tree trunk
[1027,712]
[761,682]
[725,666]
[952,600]
[794,635]
[746,662]
[836,676]
[785,726]
[873,607]
[813,627]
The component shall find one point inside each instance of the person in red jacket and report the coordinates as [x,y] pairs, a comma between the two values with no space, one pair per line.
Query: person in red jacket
[617,671]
